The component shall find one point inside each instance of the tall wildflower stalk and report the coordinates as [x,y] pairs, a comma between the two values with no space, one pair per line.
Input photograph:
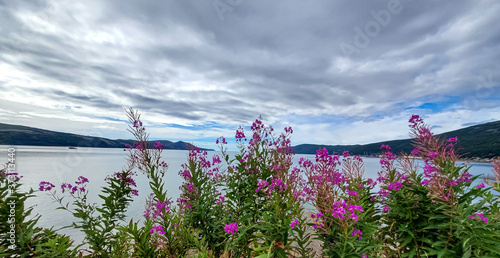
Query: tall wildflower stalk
[163,227]
[345,217]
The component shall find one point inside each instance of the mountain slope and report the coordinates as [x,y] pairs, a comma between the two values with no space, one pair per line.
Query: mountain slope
[478,141]
[24,135]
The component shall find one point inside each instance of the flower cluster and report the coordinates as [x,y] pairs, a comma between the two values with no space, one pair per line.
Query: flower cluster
[157,229]
[126,179]
[357,233]
[478,216]
[231,228]
[159,145]
[221,140]
[157,210]
[339,210]
[46,186]
[294,223]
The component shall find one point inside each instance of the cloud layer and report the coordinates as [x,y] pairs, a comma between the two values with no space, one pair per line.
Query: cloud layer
[338,72]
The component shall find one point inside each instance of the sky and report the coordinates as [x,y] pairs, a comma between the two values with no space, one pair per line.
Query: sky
[337,72]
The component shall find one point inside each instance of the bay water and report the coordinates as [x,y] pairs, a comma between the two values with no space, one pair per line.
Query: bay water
[63,165]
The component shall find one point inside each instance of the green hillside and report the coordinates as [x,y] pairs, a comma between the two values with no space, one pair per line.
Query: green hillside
[23,135]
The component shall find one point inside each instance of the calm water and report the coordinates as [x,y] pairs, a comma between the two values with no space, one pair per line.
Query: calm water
[60,165]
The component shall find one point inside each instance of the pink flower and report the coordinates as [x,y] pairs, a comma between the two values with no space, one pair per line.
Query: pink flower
[415,151]
[157,228]
[216,159]
[480,186]
[159,146]
[363,256]
[338,210]
[452,139]
[353,193]
[386,209]
[479,216]
[357,233]
[231,228]
[81,180]
[294,223]
[239,134]
[429,170]
[432,155]
[46,186]
[395,186]
[385,147]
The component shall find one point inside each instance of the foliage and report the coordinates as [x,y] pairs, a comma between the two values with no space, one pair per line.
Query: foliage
[19,234]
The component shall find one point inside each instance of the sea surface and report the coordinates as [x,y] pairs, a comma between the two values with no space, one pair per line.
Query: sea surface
[63,165]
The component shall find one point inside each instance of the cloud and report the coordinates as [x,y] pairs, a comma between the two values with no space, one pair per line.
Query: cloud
[185,68]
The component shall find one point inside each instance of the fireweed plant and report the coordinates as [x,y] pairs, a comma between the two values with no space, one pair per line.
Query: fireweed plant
[345,217]
[439,213]
[257,204]
[98,223]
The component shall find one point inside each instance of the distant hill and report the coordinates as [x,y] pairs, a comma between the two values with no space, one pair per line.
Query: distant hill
[24,135]
[478,141]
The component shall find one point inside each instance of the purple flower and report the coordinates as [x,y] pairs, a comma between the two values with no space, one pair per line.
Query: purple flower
[432,154]
[294,223]
[239,134]
[338,210]
[452,139]
[81,180]
[386,209]
[231,228]
[157,228]
[383,192]
[137,123]
[479,216]
[216,159]
[352,208]
[159,146]
[353,193]
[480,186]
[425,181]
[46,186]
[395,186]
[414,120]
[363,256]
[357,233]
[135,192]
[345,154]
[385,147]
[428,170]
[415,151]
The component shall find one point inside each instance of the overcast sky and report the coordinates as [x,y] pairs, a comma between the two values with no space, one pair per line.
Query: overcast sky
[338,72]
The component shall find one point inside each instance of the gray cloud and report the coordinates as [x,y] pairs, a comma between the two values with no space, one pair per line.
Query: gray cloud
[178,59]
